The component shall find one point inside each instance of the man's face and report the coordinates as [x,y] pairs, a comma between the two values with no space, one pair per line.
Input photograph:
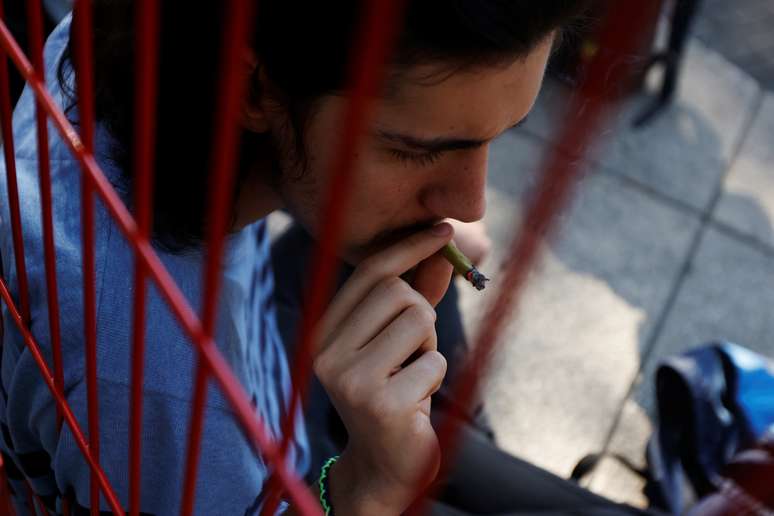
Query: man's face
[424,157]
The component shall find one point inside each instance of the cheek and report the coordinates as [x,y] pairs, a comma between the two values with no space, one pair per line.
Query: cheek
[377,192]
[384,196]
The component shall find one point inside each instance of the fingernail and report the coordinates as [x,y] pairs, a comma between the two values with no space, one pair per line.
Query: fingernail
[441,229]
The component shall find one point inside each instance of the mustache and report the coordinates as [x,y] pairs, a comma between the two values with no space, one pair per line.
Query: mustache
[390,236]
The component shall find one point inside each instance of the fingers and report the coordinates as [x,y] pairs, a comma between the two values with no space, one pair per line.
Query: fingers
[432,278]
[408,323]
[391,262]
[381,306]
[425,406]
[412,331]
[420,379]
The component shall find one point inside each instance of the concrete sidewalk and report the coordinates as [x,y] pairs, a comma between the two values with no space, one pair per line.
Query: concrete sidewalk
[742,32]
[667,244]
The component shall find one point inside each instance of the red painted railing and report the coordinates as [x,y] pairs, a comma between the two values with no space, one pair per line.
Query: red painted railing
[380,26]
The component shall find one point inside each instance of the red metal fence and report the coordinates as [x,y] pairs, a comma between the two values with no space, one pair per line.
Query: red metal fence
[379,28]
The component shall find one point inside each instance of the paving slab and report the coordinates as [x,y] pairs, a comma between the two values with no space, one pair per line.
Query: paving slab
[515,160]
[741,31]
[727,295]
[685,151]
[747,203]
[573,347]
[613,479]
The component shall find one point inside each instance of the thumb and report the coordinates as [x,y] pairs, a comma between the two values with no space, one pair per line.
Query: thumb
[432,277]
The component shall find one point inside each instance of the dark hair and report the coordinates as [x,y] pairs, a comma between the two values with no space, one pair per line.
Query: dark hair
[303,47]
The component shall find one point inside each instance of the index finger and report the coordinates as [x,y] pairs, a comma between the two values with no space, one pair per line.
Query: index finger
[391,262]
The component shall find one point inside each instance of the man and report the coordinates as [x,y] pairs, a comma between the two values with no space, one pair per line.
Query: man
[464,71]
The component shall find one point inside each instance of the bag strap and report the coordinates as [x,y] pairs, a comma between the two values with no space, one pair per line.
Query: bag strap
[589,463]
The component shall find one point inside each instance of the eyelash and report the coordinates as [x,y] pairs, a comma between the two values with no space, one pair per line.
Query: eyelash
[423,160]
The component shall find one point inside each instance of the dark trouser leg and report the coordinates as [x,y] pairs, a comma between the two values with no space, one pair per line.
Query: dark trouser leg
[485,480]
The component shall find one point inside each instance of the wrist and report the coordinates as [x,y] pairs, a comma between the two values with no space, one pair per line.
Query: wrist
[353,490]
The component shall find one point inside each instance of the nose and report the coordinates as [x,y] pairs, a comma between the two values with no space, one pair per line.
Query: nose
[460,190]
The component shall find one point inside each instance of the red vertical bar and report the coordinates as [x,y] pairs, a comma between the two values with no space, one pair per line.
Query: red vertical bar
[236,27]
[35,20]
[5,496]
[85,88]
[180,307]
[2,324]
[29,500]
[145,70]
[40,506]
[375,39]
[13,189]
[378,32]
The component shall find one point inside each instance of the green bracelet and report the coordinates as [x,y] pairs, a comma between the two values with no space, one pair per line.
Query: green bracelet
[323,483]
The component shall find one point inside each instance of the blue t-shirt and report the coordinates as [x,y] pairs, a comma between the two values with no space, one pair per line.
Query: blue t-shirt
[231,477]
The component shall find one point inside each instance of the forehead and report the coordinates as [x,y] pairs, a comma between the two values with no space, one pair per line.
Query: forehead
[476,100]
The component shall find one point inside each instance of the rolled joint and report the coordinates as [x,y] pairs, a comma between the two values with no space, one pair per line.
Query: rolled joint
[476,278]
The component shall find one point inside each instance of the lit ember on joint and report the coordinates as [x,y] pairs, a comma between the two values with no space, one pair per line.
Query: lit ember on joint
[464,267]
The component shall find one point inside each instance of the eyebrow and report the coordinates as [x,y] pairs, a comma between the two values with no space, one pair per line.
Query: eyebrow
[437,144]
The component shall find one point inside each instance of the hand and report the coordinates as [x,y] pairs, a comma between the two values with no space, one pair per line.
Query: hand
[376,323]
[472,239]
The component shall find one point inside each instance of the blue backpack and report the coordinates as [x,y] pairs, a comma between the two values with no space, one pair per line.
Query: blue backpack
[715,432]
[713,402]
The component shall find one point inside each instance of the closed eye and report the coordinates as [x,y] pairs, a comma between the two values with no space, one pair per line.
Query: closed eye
[434,148]
[423,159]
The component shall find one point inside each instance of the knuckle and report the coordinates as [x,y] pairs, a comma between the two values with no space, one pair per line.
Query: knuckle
[425,305]
[322,366]
[382,408]
[394,287]
[422,315]
[397,291]
[436,363]
[350,389]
